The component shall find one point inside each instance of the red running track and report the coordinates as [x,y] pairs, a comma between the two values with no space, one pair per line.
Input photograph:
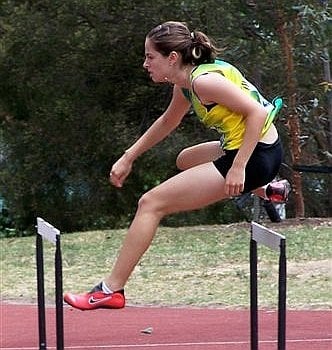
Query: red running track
[172,328]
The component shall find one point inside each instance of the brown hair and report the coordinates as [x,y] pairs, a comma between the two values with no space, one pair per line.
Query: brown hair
[195,47]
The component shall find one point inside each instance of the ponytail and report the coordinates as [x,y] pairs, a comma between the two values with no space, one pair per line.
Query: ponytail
[202,50]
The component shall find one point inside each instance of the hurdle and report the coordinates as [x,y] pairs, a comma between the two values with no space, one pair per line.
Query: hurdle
[46,231]
[273,240]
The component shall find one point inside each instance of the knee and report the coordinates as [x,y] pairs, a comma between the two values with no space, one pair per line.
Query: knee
[181,160]
[149,203]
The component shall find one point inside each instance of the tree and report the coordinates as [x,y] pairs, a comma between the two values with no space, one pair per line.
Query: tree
[302,21]
[296,32]
[73,96]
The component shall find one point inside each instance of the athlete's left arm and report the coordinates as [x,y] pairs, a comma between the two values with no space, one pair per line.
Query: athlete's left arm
[215,88]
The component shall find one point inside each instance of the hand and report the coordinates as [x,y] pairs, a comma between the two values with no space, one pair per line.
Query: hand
[234,183]
[120,170]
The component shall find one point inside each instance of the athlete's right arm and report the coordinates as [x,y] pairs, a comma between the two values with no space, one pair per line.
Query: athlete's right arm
[158,131]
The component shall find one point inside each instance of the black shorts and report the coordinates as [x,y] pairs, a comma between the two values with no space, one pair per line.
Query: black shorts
[262,167]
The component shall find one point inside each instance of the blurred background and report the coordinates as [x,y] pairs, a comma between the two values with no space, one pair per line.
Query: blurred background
[74,96]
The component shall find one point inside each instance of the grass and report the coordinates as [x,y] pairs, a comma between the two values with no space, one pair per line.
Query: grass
[196,266]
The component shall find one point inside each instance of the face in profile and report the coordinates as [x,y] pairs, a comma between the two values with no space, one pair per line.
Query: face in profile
[155,63]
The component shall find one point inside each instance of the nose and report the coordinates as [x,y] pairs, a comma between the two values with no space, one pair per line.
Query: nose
[145,65]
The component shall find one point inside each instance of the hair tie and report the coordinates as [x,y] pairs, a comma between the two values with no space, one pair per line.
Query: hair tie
[196,52]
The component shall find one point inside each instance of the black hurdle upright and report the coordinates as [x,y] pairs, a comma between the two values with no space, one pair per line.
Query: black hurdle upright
[41,292]
[275,241]
[59,295]
[50,233]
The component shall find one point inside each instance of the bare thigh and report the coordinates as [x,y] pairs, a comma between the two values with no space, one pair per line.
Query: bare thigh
[204,153]
[191,189]
[198,154]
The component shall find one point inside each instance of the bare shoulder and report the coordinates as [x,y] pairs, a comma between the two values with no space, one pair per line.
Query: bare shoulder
[210,81]
[215,88]
[207,86]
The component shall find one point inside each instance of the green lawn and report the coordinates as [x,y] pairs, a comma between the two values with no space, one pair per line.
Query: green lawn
[196,266]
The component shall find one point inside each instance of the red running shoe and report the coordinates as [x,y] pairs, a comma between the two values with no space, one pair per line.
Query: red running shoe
[96,300]
[278,191]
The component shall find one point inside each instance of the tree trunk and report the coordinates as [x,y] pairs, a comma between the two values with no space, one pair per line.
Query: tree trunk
[328,82]
[293,123]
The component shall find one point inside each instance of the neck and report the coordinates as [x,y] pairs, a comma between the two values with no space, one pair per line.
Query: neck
[182,77]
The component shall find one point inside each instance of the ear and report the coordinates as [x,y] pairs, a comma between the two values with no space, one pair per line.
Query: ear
[173,57]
